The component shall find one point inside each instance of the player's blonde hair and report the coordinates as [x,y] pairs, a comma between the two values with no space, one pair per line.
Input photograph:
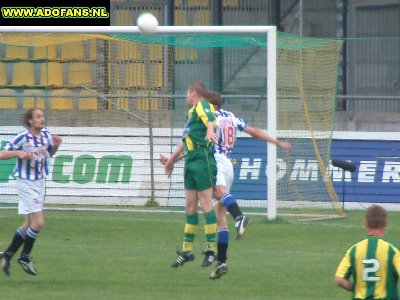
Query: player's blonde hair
[376,216]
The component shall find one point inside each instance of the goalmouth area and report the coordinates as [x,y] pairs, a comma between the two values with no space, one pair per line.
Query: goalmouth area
[103,77]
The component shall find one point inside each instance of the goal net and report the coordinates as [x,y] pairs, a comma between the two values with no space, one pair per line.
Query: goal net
[118,101]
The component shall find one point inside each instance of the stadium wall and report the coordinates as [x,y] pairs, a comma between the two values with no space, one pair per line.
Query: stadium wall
[112,167]
[375,180]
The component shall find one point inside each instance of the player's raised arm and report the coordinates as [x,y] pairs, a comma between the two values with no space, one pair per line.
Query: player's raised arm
[261,135]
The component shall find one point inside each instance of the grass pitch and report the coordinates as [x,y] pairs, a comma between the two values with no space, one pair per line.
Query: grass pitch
[127,255]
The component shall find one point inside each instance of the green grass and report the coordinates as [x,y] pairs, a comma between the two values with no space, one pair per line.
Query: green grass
[127,255]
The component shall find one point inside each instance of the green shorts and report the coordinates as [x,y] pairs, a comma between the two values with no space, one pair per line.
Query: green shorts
[200,169]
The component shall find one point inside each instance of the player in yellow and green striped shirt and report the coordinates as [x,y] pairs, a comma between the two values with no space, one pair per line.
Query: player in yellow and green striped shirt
[373,263]
[199,173]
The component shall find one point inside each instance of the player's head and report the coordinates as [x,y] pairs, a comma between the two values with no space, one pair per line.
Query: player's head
[376,217]
[196,92]
[33,118]
[215,99]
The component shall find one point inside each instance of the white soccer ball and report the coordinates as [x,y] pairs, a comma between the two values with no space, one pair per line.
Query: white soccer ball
[147,23]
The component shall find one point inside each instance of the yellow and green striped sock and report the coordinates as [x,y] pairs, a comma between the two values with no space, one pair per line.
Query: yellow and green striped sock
[210,229]
[192,221]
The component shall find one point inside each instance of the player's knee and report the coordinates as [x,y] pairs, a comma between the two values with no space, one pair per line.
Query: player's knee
[41,224]
[219,191]
[222,222]
[37,224]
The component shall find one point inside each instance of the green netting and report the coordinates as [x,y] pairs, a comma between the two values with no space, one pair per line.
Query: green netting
[200,40]
[118,88]
[203,40]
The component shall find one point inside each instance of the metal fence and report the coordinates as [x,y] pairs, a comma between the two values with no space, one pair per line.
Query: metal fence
[369,73]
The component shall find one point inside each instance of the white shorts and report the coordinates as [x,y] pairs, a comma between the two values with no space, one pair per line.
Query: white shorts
[30,195]
[224,172]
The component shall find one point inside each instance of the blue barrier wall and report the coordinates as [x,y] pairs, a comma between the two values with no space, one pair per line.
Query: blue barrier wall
[376,178]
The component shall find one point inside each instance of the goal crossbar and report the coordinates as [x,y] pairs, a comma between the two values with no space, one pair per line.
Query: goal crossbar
[135,29]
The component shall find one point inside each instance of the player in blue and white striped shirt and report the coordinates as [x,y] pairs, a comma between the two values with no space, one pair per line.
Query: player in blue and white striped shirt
[228,124]
[33,149]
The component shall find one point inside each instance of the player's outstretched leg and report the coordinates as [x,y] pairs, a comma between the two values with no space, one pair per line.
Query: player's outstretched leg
[231,205]
[182,258]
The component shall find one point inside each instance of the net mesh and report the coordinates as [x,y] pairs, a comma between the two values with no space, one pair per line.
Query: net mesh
[118,101]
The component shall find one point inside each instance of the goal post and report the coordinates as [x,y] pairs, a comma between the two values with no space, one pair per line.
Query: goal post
[271,127]
[128,89]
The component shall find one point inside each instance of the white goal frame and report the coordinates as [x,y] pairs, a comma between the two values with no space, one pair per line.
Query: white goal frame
[271,37]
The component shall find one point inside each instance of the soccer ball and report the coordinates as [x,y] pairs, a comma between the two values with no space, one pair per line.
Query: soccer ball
[147,23]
